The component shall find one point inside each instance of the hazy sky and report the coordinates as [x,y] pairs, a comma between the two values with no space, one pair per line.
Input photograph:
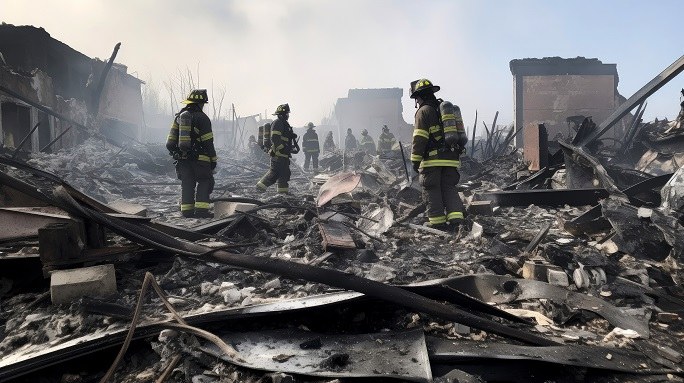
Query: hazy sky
[310,52]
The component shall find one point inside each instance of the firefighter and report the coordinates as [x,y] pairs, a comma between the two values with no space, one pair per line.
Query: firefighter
[350,141]
[283,145]
[435,159]
[311,147]
[367,144]
[386,140]
[191,143]
[254,149]
[329,144]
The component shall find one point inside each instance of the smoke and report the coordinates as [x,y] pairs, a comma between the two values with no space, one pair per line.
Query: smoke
[308,53]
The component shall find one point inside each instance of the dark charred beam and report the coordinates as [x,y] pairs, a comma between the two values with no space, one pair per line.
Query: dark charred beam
[545,197]
[24,140]
[103,78]
[640,96]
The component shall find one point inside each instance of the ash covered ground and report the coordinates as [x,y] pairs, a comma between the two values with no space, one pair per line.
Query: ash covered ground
[400,255]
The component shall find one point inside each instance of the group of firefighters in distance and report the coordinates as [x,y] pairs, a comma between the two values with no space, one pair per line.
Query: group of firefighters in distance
[312,148]
[439,139]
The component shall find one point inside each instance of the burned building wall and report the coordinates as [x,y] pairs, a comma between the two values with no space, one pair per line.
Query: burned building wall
[371,109]
[548,91]
[47,73]
[121,105]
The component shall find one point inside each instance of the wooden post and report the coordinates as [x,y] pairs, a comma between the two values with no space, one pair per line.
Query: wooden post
[59,243]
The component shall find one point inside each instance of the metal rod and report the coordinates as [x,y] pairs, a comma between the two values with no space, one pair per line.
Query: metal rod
[403,158]
[23,141]
[55,140]
[472,143]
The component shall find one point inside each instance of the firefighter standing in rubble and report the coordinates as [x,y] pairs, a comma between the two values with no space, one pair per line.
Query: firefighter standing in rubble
[254,149]
[191,143]
[350,141]
[282,146]
[367,144]
[438,140]
[386,140]
[329,144]
[311,147]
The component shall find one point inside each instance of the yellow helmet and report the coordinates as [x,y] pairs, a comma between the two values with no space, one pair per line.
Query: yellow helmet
[282,109]
[422,84]
[197,96]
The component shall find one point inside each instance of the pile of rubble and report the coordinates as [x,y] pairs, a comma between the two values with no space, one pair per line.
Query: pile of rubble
[569,273]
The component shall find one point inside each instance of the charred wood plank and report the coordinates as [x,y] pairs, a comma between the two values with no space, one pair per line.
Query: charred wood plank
[545,197]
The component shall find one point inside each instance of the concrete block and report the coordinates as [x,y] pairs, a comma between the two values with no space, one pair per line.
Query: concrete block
[129,208]
[480,208]
[537,270]
[224,209]
[558,278]
[95,281]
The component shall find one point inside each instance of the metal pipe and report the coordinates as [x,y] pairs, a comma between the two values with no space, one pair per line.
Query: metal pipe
[23,141]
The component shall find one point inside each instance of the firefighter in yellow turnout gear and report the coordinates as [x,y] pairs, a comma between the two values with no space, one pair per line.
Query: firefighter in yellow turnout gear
[283,145]
[438,141]
[311,147]
[386,140]
[191,143]
[366,143]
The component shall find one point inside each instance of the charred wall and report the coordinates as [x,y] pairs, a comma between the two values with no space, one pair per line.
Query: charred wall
[549,90]
[41,70]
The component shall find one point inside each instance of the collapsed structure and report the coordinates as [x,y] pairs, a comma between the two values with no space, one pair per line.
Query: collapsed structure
[569,273]
[45,83]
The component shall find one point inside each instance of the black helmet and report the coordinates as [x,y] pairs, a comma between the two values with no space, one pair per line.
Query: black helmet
[282,109]
[422,85]
[197,96]
[385,128]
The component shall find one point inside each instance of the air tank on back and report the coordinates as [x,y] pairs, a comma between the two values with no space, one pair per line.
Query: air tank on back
[454,132]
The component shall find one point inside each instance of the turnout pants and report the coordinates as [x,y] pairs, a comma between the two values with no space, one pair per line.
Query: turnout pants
[280,172]
[439,192]
[197,183]
[308,156]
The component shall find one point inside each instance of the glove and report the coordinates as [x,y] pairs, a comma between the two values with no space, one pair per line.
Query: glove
[416,166]
[213,165]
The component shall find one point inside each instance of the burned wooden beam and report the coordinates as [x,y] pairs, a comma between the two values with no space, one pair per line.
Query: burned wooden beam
[24,140]
[578,163]
[640,96]
[545,197]
[103,77]
[49,145]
